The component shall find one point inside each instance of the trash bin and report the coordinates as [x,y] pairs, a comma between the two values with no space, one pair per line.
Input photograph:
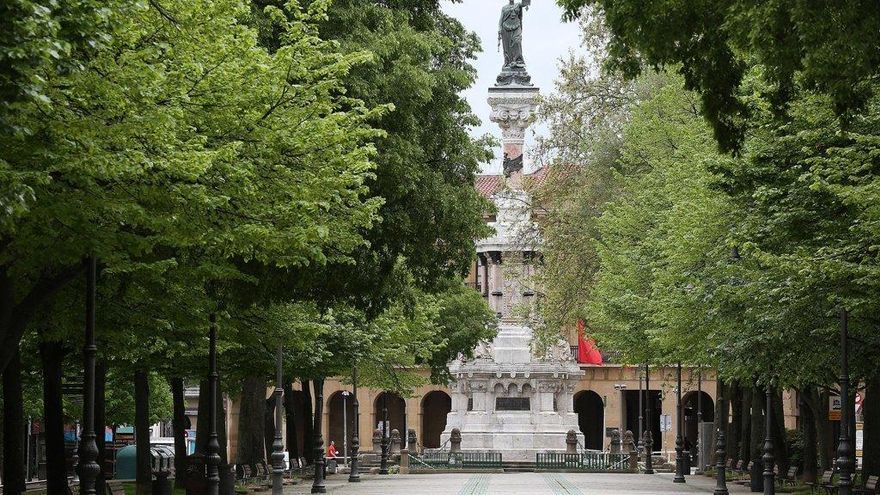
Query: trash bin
[163,466]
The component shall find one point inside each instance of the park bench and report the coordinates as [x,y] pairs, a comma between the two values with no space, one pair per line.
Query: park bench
[870,487]
[822,483]
[114,487]
[247,474]
[747,472]
[263,475]
[790,479]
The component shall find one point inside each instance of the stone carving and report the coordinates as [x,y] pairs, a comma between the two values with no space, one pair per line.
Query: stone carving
[571,441]
[395,441]
[484,351]
[615,442]
[629,443]
[455,440]
[412,441]
[510,28]
[512,165]
[377,441]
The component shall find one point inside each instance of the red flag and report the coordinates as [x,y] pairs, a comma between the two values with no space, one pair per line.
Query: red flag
[588,353]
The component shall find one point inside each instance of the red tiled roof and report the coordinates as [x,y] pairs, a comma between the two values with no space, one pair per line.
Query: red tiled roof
[487,185]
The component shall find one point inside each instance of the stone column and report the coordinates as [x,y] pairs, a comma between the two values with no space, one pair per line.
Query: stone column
[512,110]
[478,389]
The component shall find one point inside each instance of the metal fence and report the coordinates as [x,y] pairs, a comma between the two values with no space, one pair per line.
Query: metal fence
[585,461]
[460,460]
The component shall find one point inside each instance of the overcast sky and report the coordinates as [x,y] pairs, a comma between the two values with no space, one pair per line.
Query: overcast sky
[546,39]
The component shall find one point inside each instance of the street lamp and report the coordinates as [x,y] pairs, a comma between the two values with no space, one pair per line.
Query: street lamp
[318,483]
[641,442]
[212,458]
[649,434]
[354,475]
[699,446]
[844,449]
[721,453]
[88,466]
[278,443]
[345,395]
[383,464]
[768,459]
[679,441]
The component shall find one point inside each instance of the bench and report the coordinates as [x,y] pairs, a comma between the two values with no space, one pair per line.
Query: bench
[822,483]
[870,487]
[114,487]
[790,479]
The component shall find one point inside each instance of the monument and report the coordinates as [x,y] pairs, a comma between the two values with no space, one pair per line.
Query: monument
[509,398]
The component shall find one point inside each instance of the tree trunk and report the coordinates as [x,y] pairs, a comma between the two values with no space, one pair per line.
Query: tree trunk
[736,420]
[269,426]
[823,429]
[308,424]
[780,437]
[252,421]
[290,415]
[745,430]
[144,472]
[13,428]
[871,412]
[52,357]
[756,441]
[808,429]
[100,422]
[179,425]
[202,427]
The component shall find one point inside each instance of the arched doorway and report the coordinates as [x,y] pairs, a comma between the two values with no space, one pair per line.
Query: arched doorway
[690,405]
[396,412]
[336,419]
[591,418]
[435,406]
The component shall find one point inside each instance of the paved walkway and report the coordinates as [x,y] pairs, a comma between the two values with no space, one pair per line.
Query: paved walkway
[517,484]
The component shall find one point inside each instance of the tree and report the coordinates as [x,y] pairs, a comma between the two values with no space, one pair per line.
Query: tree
[713,44]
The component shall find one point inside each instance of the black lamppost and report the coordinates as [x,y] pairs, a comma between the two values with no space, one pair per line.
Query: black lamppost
[318,485]
[641,444]
[844,449]
[721,445]
[88,466]
[649,415]
[768,459]
[278,442]
[679,441]
[354,475]
[212,459]
[383,464]
[699,446]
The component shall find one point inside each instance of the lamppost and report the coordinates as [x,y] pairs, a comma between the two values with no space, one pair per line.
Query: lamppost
[318,484]
[88,466]
[641,443]
[844,449]
[354,475]
[721,444]
[345,395]
[383,464]
[649,440]
[679,440]
[278,442]
[768,459]
[212,459]
[699,446]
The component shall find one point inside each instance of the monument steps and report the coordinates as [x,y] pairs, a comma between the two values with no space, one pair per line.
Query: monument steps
[518,466]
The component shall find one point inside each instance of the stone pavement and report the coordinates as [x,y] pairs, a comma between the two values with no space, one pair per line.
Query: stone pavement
[516,484]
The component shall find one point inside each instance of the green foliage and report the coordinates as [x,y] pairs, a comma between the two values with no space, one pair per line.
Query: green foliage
[816,46]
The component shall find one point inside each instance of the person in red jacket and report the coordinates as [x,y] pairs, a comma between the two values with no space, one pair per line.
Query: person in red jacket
[331,450]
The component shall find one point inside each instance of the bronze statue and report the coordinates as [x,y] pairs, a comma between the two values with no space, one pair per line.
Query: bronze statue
[510,38]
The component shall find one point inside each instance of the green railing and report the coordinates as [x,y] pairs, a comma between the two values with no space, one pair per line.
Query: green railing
[586,461]
[460,460]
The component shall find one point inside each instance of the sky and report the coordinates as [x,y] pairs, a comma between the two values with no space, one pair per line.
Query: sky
[546,39]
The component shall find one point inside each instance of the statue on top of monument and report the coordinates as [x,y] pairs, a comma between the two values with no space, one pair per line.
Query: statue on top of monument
[510,38]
